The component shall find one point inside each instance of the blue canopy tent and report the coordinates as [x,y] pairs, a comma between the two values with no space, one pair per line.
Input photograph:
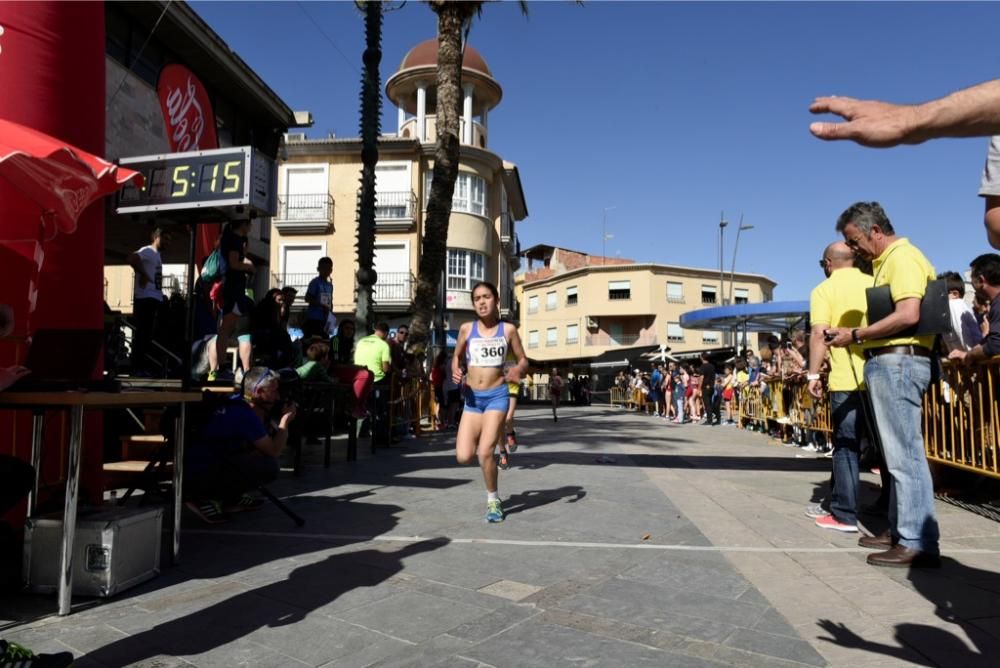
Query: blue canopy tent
[766,317]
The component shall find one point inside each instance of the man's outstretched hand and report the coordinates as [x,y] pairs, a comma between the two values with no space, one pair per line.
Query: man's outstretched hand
[867,122]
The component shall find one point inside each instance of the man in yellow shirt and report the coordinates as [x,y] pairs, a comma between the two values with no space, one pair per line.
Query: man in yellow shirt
[839,301]
[897,373]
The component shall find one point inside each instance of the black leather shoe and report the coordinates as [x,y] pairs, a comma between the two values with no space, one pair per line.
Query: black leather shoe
[883,541]
[904,557]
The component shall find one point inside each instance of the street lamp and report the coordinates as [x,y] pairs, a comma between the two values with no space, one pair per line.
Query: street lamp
[722,277]
[604,233]
[736,247]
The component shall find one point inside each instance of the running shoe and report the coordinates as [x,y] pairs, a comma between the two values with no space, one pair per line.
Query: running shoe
[494,511]
[503,459]
[831,522]
[816,512]
[511,441]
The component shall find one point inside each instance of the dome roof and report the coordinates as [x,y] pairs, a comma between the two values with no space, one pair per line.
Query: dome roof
[425,54]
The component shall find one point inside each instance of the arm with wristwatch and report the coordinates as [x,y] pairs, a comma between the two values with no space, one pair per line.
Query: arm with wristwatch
[905,315]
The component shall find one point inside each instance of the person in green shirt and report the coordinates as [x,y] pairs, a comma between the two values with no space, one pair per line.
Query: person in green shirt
[317,359]
[372,352]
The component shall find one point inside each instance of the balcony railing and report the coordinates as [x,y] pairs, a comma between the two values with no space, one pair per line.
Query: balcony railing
[304,213]
[298,281]
[395,210]
[394,287]
[603,339]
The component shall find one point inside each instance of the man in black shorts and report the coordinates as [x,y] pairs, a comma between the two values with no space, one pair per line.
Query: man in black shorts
[713,413]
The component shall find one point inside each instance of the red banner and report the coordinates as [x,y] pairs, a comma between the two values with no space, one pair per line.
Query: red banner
[187,111]
[190,125]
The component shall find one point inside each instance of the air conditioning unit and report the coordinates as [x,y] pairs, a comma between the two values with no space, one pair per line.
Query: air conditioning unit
[295,136]
[592,323]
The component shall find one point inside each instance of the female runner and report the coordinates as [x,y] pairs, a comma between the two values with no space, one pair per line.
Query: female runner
[482,347]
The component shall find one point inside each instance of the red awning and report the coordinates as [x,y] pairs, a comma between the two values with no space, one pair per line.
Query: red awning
[61,179]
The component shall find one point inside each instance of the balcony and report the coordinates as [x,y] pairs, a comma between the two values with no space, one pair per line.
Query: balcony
[394,289]
[507,236]
[605,339]
[304,214]
[395,211]
[298,281]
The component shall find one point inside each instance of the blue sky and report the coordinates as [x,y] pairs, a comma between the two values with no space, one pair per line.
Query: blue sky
[675,112]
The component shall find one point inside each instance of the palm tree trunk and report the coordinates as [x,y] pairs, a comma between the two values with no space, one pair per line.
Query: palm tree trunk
[451,17]
[371,111]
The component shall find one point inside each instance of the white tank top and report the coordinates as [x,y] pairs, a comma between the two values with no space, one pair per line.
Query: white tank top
[486,351]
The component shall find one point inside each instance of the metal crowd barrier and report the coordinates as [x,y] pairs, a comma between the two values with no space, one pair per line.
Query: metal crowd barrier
[962,418]
[411,403]
[783,403]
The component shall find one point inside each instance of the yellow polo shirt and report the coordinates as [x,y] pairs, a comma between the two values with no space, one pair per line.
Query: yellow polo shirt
[906,271]
[839,301]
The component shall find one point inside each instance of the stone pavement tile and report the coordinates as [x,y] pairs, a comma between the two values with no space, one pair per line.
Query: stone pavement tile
[619,630]
[722,580]
[990,625]
[315,640]
[510,590]
[243,653]
[549,646]
[656,616]
[496,622]
[439,650]
[414,616]
[378,649]
[739,657]
[774,622]
[780,646]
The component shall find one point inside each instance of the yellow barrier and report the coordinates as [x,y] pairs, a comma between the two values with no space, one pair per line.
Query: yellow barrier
[411,403]
[617,396]
[962,419]
[784,403]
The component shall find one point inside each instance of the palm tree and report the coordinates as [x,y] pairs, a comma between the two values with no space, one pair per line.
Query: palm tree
[371,114]
[452,17]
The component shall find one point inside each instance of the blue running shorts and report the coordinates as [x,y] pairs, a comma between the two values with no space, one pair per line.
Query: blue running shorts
[493,399]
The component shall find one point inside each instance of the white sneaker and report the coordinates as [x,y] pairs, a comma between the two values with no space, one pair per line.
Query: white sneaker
[817,511]
[810,448]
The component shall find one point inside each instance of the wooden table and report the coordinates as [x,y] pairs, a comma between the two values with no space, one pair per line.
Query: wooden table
[76,402]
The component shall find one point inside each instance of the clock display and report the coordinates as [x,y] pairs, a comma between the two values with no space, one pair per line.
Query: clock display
[214,178]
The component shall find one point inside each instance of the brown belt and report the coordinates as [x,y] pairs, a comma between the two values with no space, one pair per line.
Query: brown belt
[919,351]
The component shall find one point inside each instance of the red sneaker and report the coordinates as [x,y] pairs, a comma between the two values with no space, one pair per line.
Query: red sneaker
[831,522]
[511,441]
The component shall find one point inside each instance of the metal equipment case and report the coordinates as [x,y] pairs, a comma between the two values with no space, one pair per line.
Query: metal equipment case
[115,548]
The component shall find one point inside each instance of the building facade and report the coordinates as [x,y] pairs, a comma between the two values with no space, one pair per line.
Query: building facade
[318,194]
[577,306]
[142,39]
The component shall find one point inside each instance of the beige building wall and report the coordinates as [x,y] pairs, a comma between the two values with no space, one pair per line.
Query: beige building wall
[605,314]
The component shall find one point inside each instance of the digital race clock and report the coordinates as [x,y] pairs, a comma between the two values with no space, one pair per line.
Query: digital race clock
[217,178]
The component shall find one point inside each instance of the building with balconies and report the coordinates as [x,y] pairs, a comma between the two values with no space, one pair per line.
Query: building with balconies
[318,190]
[577,306]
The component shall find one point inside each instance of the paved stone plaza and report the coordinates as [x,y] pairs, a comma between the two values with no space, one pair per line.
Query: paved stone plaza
[628,542]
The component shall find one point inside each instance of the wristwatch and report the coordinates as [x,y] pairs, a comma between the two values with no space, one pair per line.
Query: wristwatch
[855,337]
[812,376]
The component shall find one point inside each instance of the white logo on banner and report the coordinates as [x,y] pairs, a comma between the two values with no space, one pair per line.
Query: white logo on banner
[1,35]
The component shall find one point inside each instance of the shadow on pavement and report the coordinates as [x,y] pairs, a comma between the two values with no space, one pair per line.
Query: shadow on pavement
[534,498]
[275,605]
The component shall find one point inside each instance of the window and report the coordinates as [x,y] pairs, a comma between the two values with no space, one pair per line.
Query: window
[572,333]
[707,294]
[533,338]
[469,196]
[552,336]
[550,300]
[571,296]
[741,296]
[533,304]
[464,269]
[674,332]
[675,293]
[619,290]
[709,337]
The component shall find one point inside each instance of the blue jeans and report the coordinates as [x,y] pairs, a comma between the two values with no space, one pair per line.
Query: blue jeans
[896,385]
[845,408]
